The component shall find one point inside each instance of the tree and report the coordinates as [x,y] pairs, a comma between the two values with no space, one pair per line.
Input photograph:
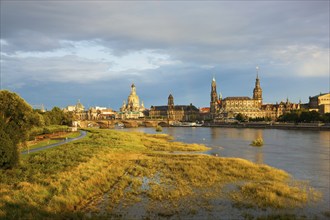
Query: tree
[58,117]
[240,117]
[16,119]
[311,116]
[8,155]
[326,118]
[301,116]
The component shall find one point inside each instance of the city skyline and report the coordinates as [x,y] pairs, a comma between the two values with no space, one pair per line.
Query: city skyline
[54,53]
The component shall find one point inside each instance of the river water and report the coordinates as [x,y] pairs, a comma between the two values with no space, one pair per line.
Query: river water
[303,154]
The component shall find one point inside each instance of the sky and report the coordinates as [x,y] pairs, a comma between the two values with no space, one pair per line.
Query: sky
[58,52]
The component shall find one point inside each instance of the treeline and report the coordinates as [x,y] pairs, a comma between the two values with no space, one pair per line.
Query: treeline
[54,117]
[18,120]
[297,116]
[49,122]
[304,116]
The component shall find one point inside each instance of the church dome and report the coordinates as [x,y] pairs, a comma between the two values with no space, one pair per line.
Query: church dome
[133,102]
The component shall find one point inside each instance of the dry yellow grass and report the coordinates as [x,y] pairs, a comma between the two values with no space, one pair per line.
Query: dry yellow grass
[111,169]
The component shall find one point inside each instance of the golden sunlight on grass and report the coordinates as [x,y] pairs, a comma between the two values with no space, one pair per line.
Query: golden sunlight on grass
[110,171]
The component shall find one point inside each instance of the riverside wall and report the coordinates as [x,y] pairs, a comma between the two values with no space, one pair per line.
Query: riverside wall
[287,126]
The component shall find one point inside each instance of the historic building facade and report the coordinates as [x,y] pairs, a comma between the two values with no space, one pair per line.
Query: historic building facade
[93,113]
[253,107]
[174,112]
[320,103]
[78,110]
[132,109]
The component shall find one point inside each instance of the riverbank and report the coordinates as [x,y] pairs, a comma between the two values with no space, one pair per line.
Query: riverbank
[50,143]
[285,126]
[48,139]
[115,174]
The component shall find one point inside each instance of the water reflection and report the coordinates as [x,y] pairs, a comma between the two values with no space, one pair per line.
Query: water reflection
[259,157]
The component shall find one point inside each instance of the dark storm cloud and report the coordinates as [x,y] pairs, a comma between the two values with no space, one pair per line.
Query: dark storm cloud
[197,39]
[188,25]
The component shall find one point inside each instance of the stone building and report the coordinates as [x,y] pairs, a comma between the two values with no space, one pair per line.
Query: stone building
[274,111]
[250,107]
[93,113]
[174,112]
[100,113]
[253,107]
[132,109]
[78,110]
[320,103]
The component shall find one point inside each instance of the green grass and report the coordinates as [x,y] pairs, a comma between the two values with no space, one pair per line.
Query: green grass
[127,168]
[36,144]
[40,144]
[72,134]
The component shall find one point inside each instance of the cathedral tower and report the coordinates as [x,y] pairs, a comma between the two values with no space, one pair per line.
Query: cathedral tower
[170,102]
[170,107]
[214,99]
[257,91]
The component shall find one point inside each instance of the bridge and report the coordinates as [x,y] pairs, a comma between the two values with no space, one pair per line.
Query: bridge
[128,123]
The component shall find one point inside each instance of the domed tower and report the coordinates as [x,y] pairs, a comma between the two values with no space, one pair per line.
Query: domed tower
[257,91]
[214,98]
[79,107]
[133,102]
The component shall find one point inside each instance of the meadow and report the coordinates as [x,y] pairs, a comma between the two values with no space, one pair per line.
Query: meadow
[120,175]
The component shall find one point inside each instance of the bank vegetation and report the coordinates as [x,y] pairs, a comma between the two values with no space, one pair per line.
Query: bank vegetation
[117,174]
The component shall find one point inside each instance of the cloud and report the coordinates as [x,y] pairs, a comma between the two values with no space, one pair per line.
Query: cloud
[304,61]
[82,62]
[153,42]
[129,26]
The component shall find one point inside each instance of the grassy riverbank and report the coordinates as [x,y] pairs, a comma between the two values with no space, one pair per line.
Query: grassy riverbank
[49,139]
[125,175]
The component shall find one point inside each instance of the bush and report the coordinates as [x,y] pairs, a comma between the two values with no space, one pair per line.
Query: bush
[257,142]
[159,128]
[46,131]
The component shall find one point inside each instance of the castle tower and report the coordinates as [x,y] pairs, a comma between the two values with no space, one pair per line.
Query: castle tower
[170,109]
[257,91]
[170,102]
[214,99]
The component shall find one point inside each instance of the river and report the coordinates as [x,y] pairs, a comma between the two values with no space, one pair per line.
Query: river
[303,154]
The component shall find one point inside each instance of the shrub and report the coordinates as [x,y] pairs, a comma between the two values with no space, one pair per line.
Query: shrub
[257,142]
[46,131]
[159,129]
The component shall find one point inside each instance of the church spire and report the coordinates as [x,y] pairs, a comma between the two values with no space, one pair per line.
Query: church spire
[214,98]
[257,69]
[257,91]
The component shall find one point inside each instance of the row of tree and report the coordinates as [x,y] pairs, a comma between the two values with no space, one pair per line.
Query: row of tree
[304,116]
[297,116]
[17,118]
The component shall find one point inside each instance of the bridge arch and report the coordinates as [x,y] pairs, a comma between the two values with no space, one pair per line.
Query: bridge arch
[163,124]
